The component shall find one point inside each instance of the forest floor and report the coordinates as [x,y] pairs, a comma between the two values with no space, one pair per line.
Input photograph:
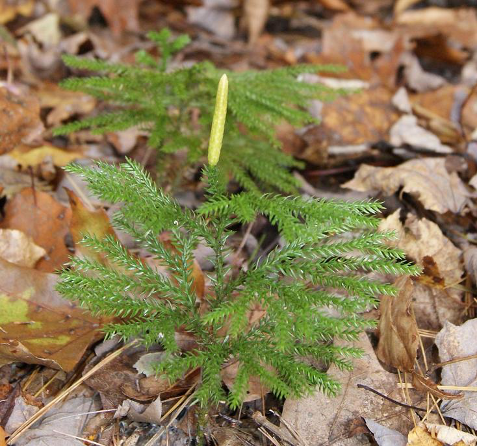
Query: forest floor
[406,135]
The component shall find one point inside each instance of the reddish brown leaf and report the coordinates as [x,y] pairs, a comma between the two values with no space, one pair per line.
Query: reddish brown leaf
[398,329]
[38,325]
[46,221]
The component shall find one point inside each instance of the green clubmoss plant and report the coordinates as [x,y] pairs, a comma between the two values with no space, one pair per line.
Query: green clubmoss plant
[176,105]
[307,292]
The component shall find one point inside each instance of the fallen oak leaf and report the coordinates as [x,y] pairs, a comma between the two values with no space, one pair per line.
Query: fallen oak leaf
[398,330]
[37,325]
[427,179]
[426,245]
[427,385]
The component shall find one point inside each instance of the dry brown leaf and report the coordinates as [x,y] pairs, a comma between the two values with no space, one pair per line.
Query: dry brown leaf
[256,13]
[38,325]
[321,419]
[64,103]
[425,244]
[21,120]
[121,15]
[24,157]
[420,238]
[458,24]
[427,179]
[427,385]
[46,221]
[256,390]
[398,331]
[18,248]
[419,436]
[355,119]
[85,221]
[10,9]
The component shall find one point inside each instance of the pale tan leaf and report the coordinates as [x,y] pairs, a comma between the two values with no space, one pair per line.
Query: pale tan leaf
[18,248]
[321,419]
[401,5]
[256,13]
[450,435]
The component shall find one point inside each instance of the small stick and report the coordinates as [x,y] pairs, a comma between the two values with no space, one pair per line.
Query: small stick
[452,361]
[65,393]
[398,403]
[270,438]
[291,429]
[463,388]
[261,420]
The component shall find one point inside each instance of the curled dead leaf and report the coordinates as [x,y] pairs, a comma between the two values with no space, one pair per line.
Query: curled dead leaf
[398,343]
[425,178]
[86,221]
[427,385]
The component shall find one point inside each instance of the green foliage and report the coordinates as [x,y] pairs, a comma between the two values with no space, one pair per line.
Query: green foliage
[166,102]
[311,289]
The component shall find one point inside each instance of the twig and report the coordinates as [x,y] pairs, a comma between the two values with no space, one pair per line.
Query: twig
[398,403]
[66,392]
[452,361]
[462,388]
[261,420]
